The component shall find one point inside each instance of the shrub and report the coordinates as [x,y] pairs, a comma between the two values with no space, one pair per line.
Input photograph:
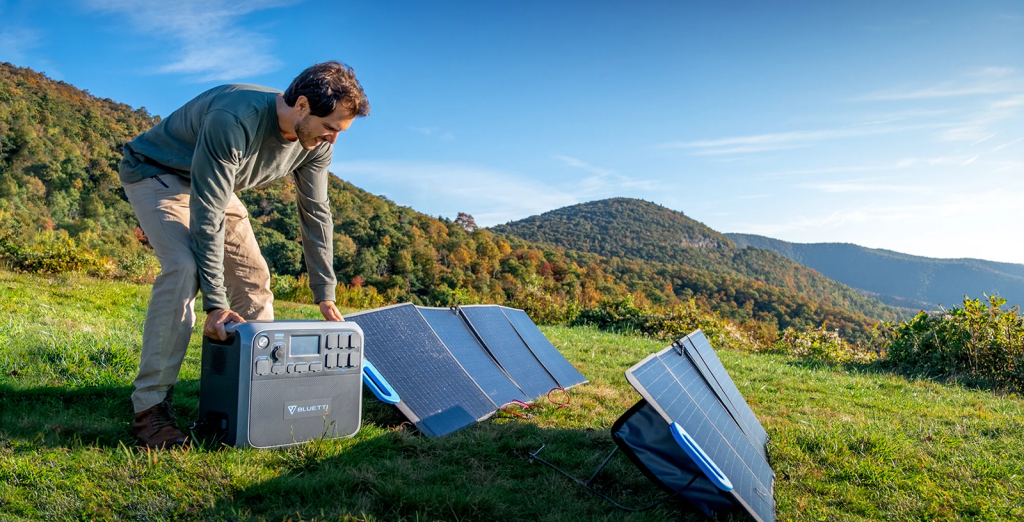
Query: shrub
[978,341]
[288,288]
[52,252]
[821,344]
[622,314]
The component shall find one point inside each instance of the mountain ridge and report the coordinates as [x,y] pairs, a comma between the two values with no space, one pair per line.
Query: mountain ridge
[896,276]
[636,229]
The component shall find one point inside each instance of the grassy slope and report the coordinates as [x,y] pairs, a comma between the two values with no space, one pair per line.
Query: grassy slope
[845,446]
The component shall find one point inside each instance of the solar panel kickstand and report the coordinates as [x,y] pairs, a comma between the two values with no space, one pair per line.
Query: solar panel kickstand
[533,456]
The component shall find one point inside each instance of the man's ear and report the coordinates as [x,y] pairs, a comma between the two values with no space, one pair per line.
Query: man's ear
[302,106]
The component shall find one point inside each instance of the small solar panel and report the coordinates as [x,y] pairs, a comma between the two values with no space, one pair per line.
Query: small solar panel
[562,370]
[456,335]
[436,392]
[502,340]
[710,366]
[675,387]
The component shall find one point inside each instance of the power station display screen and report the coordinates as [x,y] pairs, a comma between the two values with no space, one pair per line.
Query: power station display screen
[305,345]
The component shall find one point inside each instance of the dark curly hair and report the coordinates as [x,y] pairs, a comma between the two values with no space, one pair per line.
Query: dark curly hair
[327,85]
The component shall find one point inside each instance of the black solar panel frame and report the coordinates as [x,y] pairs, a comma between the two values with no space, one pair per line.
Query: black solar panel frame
[474,358]
[414,403]
[717,418]
[527,371]
[564,373]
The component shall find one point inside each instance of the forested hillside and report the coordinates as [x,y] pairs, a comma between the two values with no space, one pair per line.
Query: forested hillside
[59,151]
[901,279]
[61,208]
[636,229]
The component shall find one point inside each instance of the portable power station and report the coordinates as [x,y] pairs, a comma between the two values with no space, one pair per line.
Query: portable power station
[276,384]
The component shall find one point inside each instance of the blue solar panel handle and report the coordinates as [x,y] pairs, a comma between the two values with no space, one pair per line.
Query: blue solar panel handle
[704,462]
[378,384]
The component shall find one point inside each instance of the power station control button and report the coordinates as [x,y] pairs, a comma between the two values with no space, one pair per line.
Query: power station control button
[332,341]
[315,367]
[262,367]
[332,360]
[301,367]
[277,369]
[278,354]
[263,341]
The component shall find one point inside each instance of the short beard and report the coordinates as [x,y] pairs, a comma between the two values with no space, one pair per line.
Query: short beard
[302,132]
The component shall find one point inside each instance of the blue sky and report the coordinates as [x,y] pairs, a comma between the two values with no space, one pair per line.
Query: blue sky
[894,125]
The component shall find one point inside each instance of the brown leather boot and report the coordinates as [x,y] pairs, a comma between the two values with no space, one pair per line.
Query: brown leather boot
[157,427]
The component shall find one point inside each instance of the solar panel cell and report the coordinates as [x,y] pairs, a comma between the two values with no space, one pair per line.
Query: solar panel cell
[699,350]
[461,342]
[561,369]
[509,350]
[436,392]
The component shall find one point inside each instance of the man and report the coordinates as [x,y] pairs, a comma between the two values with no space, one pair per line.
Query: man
[180,177]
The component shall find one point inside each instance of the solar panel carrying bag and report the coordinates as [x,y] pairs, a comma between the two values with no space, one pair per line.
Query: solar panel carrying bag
[671,460]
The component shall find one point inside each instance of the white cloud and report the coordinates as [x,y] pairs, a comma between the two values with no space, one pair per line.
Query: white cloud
[16,41]
[430,131]
[781,140]
[860,186]
[892,216]
[426,131]
[604,182]
[211,44]
[580,164]
[491,196]
[1007,144]
[989,80]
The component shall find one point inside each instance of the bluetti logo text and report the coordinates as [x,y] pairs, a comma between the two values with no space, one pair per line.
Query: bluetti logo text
[310,408]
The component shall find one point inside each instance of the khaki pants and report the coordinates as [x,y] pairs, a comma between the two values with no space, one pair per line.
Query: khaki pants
[163,213]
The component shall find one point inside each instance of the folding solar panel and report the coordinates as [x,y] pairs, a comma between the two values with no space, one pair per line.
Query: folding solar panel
[700,352]
[562,370]
[505,345]
[463,344]
[436,392]
[697,445]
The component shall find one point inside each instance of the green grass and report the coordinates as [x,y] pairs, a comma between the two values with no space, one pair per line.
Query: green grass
[845,446]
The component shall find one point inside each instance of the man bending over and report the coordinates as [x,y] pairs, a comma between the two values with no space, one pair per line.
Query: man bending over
[180,177]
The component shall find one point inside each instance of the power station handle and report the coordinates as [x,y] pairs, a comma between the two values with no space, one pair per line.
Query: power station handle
[231,327]
[690,446]
[378,384]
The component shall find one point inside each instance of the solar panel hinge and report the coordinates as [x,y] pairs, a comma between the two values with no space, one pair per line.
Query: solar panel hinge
[677,345]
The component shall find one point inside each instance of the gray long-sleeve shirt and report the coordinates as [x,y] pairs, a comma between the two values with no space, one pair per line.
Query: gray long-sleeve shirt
[226,140]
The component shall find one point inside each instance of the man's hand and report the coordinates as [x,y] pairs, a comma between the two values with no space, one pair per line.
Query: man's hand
[215,321]
[330,311]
